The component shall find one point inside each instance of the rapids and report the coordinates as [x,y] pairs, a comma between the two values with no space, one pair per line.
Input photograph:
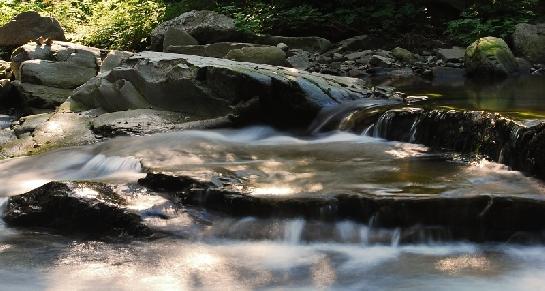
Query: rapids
[206,250]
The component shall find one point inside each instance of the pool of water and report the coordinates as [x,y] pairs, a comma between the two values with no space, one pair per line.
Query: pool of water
[522,98]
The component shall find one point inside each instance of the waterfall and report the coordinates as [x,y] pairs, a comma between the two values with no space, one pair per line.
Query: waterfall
[293,230]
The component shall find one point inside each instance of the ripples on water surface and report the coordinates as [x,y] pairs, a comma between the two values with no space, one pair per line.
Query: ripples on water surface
[213,252]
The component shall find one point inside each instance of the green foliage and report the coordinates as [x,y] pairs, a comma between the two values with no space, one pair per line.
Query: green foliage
[491,18]
[122,24]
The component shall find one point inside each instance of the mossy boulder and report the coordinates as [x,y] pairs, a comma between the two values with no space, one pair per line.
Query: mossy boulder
[490,57]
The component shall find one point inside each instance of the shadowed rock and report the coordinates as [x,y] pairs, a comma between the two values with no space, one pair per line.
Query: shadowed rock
[75,207]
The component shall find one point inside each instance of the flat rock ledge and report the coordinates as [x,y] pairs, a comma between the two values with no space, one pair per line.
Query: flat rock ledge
[75,208]
[477,218]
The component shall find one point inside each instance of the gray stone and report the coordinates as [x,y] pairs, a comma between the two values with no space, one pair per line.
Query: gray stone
[28,26]
[403,55]
[6,136]
[453,54]
[205,88]
[195,50]
[74,54]
[490,56]
[39,96]
[380,61]
[114,59]
[529,41]
[5,70]
[214,50]
[55,74]
[259,55]
[178,37]
[309,43]
[355,55]
[300,59]
[357,43]
[28,124]
[205,26]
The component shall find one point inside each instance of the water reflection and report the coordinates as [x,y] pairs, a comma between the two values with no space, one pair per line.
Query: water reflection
[522,98]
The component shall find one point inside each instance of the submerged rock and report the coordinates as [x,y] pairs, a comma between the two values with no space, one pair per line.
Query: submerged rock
[478,218]
[490,57]
[28,26]
[208,88]
[74,207]
[529,41]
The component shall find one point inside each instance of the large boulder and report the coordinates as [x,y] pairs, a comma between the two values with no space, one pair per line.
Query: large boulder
[529,41]
[259,55]
[205,26]
[29,26]
[63,75]
[209,87]
[490,56]
[177,37]
[40,96]
[75,207]
[46,73]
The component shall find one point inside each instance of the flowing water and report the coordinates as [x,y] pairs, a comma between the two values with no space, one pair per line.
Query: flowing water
[206,250]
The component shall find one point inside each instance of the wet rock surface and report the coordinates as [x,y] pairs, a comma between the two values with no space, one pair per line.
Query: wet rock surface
[74,207]
[490,57]
[475,132]
[477,218]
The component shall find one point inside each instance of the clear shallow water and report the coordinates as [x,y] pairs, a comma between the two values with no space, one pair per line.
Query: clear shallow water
[522,98]
[269,162]
[208,251]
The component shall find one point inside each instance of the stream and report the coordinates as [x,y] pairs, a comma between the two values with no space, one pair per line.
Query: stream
[208,250]
[202,249]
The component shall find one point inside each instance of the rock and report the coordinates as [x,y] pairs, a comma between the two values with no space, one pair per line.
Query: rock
[214,50]
[211,87]
[74,55]
[380,61]
[6,88]
[524,66]
[529,41]
[178,37]
[63,75]
[475,132]
[357,43]
[259,55]
[64,128]
[205,26]
[28,124]
[39,96]
[403,55]
[195,50]
[5,70]
[356,55]
[299,59]
[485,217]
[283,46]
[75,207]
[454,54]
[29,26]
[309,43]
[114,59]
[6,136]
[490,56]
[148,121]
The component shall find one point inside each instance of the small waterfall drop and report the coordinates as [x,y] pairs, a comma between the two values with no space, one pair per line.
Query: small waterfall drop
[293,230]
